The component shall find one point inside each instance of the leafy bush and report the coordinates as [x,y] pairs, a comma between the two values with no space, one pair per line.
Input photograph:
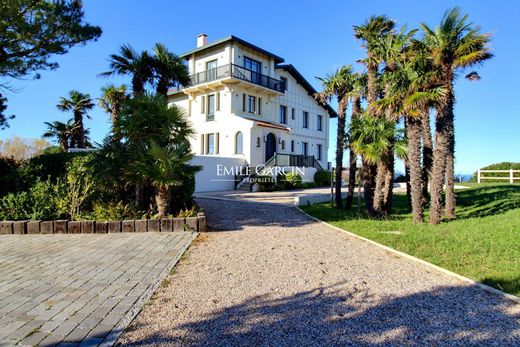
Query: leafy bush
[109,211]
[9,179]
[40,202]
[182,195]
[290,180]
[322,178]
[192,212]
[77,186]
[266,183]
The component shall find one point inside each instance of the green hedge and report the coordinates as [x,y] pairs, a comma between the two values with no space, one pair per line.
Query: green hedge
[497,166]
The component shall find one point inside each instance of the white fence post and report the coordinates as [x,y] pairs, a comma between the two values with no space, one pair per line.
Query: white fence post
[511,176]
[478,176]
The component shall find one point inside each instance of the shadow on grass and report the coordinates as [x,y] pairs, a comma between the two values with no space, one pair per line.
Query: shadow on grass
[345,315]
[487,201]
[506,284]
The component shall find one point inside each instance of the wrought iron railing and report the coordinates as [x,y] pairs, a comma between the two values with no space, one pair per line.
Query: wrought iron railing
[239,72]
[280,159]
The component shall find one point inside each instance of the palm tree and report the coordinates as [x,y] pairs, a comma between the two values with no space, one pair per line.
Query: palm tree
[112,100]
[339,85]
[169,69]
[130,62]
[61,131]
[164,167]
[358,92]
[79,104]
[454,45]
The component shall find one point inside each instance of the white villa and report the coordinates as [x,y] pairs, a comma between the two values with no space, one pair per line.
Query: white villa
[249,108]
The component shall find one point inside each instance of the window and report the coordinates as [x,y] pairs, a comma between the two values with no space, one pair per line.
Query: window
[260,106]
[304,148]
[292,145]
[283,80]
[239,143]
[293,113]
[319,126]
[251,104]
[283,144]
[211,107]
[283,114]
[318,152]
[305,120]
[252,65]
[210,144]
[243,103]
[211,70]
[257,142]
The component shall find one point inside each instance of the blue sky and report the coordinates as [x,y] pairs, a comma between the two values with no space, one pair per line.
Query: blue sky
[314,36]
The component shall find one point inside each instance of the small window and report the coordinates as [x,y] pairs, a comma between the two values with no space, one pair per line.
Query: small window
[319,124]
[243,102]
[257,142]
[292,146]
[260,106]
[211,104]
[239,143]
[283,80]
[305,120]
[210,144]
[283,114]
[283,144]
[251,104]
[318,152]
[293,114]
[304,148]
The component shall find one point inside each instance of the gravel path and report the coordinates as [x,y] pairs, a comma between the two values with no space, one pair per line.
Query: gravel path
[273,277]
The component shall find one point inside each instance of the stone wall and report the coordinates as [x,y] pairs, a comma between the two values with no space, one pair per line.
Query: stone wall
[193,224]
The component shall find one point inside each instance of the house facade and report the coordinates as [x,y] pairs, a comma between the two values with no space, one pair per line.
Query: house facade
[248,108]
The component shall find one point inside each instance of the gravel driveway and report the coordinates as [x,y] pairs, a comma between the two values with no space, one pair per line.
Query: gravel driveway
[271,276]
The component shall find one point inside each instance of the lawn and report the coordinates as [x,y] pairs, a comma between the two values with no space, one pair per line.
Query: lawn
[482,244]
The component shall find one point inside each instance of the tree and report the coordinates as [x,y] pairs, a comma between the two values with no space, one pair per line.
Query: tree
[33,31]
[164,167]
[339,85]
[169,69]
[62,132]
[112,100]
[129,62]
[453,46]
[20,149]
[79,104]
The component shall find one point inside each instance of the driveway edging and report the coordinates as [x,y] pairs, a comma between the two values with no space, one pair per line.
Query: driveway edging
[114,334]
[483,286]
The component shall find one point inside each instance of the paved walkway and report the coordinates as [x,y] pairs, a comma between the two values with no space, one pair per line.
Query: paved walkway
[79,288]
[270,276]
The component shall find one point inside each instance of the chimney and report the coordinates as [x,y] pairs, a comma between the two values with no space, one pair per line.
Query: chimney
[202,40]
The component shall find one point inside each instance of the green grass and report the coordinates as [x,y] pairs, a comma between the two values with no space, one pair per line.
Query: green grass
[483,243]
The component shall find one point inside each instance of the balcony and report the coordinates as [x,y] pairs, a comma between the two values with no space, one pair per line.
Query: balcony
[232,73]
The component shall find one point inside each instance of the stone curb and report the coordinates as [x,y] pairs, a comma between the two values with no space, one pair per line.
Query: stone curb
[116,332]
[483,286]
[192,224]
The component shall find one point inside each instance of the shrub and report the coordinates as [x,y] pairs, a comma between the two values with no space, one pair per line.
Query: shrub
[265,182]
[15,206]
[289,180]
[192,212]
[77,186]
[182,195]
[109,211]
[9,179]
[322,178]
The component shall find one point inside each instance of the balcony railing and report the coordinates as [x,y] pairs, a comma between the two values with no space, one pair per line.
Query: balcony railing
[239,72]
[281,159]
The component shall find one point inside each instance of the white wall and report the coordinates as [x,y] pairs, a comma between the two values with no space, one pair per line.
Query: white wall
[210,179]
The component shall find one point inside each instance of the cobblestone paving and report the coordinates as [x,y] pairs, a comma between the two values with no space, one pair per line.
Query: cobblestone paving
[270,276]
[79,289]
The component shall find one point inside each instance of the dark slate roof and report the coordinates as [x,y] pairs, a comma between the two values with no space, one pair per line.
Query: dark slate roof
[306,85]
[276,58]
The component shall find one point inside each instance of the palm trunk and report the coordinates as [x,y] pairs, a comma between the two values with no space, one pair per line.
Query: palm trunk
[389,183]
[380,186]
[79,130]
[427,152]
[340,148]
[356,111]
[440,153]
[137,86]
[162,87]
[414,162]
[368,191]
[450,173]
[162,199]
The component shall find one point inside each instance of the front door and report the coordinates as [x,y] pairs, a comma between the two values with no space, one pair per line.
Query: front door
[270,146]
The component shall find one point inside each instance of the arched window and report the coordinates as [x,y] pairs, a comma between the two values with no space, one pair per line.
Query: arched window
[239,143]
